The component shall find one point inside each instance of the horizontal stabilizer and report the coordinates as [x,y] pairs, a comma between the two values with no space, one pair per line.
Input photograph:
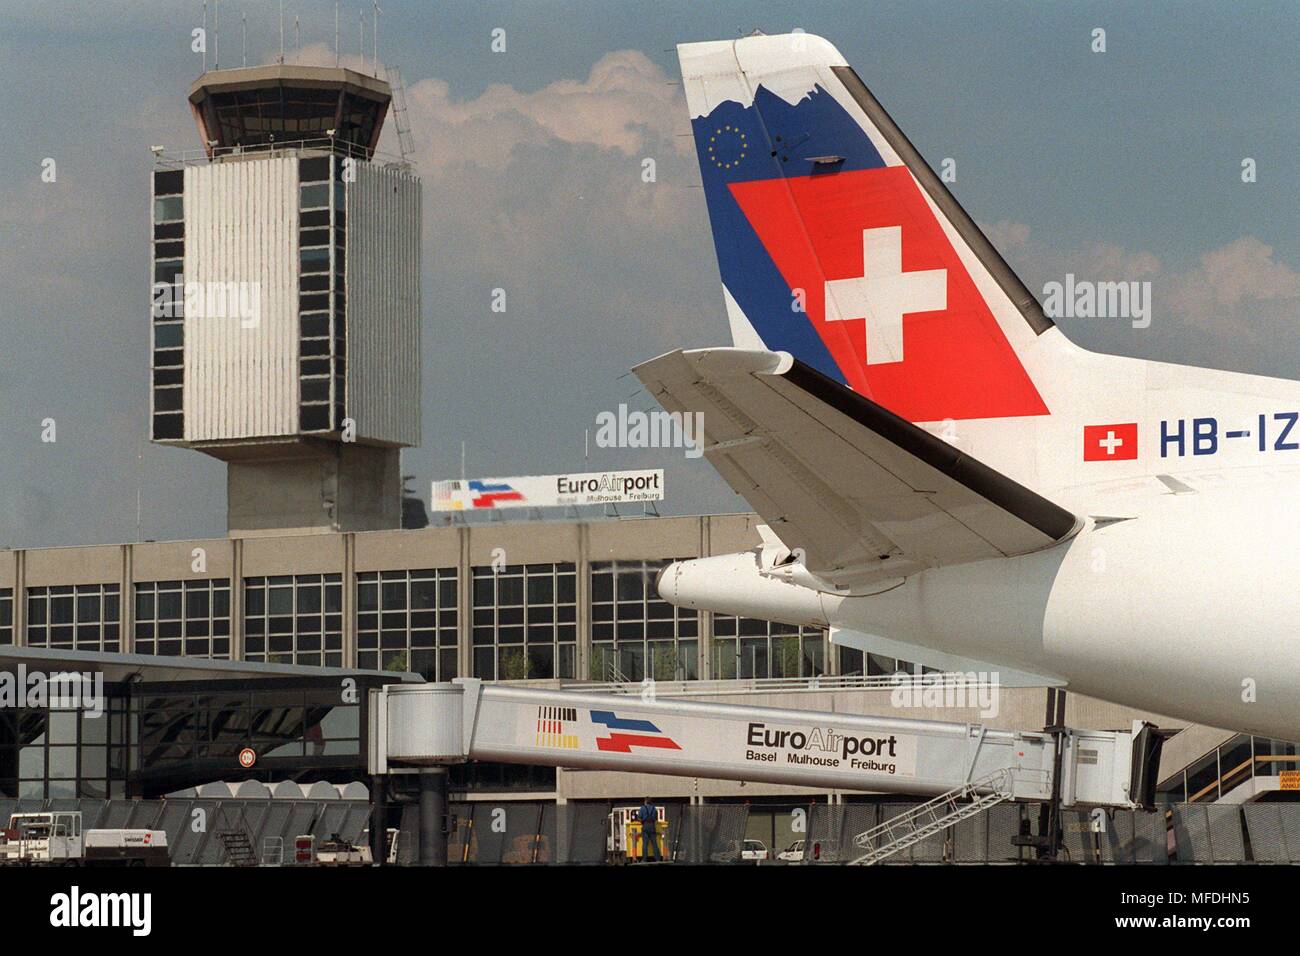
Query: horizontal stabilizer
[858,492]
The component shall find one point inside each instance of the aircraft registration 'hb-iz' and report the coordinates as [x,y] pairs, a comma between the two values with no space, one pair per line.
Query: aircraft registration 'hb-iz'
[946,478]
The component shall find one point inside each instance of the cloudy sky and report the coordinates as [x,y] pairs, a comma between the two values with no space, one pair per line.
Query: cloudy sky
[1122,165]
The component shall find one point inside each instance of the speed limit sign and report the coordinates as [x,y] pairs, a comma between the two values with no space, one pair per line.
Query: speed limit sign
[247,757]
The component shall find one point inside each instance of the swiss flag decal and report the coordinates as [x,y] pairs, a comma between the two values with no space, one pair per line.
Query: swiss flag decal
[1110,442]
[888,294]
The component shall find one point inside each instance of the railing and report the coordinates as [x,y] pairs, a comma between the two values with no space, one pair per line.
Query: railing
[170,159]
[782,685]
[909,828]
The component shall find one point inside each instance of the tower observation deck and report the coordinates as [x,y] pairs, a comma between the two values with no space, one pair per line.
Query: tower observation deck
[286,298]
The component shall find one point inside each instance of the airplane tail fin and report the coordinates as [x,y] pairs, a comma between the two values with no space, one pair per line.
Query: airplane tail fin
[838,244]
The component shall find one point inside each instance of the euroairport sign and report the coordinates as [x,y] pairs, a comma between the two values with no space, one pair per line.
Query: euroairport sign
[548,491]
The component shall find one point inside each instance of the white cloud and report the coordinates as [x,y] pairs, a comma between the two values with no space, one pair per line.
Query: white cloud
[1239,288]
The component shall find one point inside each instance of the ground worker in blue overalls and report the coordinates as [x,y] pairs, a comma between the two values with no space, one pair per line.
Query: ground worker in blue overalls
[648,817]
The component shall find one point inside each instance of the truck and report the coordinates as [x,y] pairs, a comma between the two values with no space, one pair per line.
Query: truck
[336,851]
[56,838]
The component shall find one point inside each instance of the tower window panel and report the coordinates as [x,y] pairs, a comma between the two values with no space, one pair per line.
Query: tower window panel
[169,230]
[168,208]
[313,302]
[314,196]
[313,169]
[310,366]
[164,358]
[166,270]
[314,418]
[312,219]
[169,426]
[315,390]
[314,283]
[168,399]
[169,336]
[169,250]
[168,376]
[168,182]
[314,260]
[314,237]
[315,325]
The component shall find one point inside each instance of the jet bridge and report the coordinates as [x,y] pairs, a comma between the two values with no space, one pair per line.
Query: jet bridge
[415,726]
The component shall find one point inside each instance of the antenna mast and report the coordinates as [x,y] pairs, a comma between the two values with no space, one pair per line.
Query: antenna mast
[281,31]
[374,37]
[216,35]
[205,36]
[243,30]
[336,32]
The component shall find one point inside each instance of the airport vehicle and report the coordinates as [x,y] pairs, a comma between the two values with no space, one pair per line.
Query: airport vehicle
[336,851]
[944,477]
[55,838]
[754,851]
[793,853]
[623,841]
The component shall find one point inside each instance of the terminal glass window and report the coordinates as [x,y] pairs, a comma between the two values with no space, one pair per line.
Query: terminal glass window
[190,618]
[858,663]
[84,617]
[525,621]
[406,621]
[287,725]
[745,647]
[294,619]
[72,750]
[6,615]
[634,633]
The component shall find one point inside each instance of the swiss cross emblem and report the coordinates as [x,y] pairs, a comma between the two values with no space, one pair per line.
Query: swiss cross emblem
[884,293]
[1110,442]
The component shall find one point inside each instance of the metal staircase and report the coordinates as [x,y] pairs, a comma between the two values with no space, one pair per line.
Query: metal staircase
[239,849]
[910,828]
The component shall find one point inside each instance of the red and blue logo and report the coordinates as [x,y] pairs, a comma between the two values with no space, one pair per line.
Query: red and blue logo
[624,733]
[487,495]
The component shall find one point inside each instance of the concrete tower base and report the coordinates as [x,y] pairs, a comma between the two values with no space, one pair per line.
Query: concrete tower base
[313,486]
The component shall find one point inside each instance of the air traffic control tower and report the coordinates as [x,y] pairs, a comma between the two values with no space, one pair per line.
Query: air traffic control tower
[286,299]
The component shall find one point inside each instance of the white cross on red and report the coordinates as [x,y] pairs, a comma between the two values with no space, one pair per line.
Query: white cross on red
[884,293]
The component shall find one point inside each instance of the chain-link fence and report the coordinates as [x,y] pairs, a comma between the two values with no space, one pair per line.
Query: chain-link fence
[208,832]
